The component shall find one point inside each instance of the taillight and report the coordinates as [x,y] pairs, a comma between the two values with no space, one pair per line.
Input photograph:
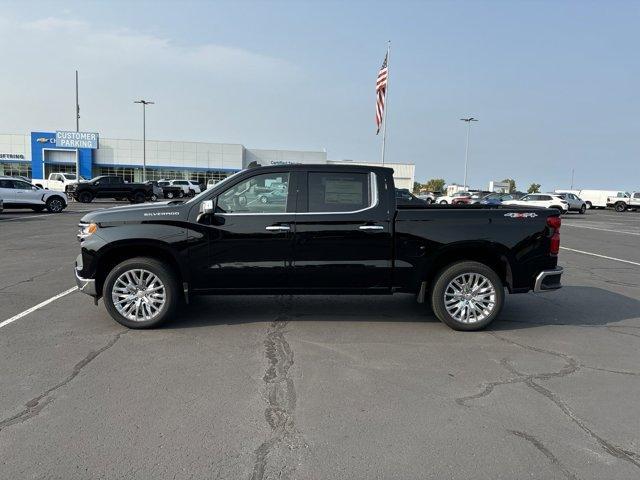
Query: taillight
[554,244]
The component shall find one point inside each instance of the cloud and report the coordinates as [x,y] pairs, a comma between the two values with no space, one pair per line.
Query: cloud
[206,85]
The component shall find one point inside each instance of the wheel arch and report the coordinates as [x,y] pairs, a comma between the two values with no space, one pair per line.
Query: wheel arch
[121,251]
[494,256]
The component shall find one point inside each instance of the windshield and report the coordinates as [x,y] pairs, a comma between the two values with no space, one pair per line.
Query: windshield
[70,176]
[199,197]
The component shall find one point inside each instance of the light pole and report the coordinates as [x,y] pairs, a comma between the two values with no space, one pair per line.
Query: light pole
[144,136]
[466,151]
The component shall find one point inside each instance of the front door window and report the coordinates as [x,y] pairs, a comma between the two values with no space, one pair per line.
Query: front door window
[266,193]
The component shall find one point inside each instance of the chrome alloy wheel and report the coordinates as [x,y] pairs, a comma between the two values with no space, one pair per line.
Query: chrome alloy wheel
[138,295]
[470,298]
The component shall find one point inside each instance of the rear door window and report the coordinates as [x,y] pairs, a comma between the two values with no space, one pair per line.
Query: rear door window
[339,192]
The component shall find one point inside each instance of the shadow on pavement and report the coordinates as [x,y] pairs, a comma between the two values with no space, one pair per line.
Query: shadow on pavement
[573,305]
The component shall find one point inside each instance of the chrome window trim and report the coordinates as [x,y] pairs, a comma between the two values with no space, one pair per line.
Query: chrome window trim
[374,195]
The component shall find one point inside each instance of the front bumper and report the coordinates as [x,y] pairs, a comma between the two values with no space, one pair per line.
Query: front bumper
[548,280]
[85,285]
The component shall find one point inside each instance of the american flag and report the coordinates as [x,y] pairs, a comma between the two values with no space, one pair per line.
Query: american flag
[381,92]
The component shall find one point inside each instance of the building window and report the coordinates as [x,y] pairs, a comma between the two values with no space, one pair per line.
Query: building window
[13,169]
[135,174]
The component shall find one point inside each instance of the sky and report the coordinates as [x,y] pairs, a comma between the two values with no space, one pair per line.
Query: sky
[553,84]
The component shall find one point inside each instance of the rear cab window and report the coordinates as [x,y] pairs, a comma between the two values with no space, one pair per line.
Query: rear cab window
[339,192]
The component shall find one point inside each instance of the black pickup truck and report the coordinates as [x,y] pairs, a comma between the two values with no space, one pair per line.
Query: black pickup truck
[110,186]
[325,230]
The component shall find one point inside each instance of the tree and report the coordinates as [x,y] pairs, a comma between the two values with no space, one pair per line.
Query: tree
[416,187]
[512,184]
[534,188]
[434,185]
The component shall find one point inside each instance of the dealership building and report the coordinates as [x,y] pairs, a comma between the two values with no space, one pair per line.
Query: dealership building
[37,154]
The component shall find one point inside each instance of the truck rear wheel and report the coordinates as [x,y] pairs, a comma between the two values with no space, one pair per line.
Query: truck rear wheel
[467,295]
[137,197]
[140,293]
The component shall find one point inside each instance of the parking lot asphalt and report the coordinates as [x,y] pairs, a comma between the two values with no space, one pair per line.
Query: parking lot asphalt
[321,387]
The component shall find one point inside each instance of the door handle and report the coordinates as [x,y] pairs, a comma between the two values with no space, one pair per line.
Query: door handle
[278,228]
[370,227]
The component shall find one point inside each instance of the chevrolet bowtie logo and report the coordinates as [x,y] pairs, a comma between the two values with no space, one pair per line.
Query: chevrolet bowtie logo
[42,140]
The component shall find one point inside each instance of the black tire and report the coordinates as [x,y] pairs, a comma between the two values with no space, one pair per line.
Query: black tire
[181,194]
[447,275]
[264,200]
[429,201]
[166,276]
[138,197]
[589,205]
[168,195]
[55,204]
[85,197]
[583,209]
[443,202]
[620,207]
[154,197]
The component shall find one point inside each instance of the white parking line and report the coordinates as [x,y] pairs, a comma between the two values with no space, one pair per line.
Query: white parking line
[564,224]
[600,256]
[23,218]
[36,307]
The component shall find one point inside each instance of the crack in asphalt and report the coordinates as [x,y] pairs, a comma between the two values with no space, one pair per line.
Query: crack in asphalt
[281,400]
[612,328]
[571,366]
[545,451]
[37,404]
[30,279]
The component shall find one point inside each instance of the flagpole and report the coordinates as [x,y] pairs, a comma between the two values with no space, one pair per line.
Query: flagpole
[386,104]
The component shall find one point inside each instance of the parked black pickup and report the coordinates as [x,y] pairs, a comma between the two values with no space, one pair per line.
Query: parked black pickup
[108,186]
[308,229]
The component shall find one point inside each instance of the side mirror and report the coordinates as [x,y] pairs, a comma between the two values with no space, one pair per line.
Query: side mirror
[207,207]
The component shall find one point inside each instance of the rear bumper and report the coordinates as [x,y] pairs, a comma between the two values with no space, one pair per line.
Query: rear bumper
[548,280]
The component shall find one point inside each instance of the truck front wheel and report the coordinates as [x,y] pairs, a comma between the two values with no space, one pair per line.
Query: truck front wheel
[467,295]
[140,293]
[620,207]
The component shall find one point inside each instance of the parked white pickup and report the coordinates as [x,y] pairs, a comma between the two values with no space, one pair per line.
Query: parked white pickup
[624,201]
[56,181]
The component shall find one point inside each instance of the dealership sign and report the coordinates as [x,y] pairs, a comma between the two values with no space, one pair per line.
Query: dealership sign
[66,139]
[11,156]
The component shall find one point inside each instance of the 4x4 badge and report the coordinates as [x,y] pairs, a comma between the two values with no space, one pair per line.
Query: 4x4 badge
[521,215]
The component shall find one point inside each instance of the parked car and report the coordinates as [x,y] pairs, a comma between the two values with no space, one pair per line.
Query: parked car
[576,204]
[20,194]
[110,186]
[189,187]
[56,181]
[158,192]
[339,231]
[448,199]
[627,201]
[169,191]
[598,198]
[429,197]
[547,200]
[405,197]
[495,198]
[273,196]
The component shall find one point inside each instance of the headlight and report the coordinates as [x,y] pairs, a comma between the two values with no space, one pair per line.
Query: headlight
[86,230]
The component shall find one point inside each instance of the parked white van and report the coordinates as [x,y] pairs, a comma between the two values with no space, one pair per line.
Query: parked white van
[598,198]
